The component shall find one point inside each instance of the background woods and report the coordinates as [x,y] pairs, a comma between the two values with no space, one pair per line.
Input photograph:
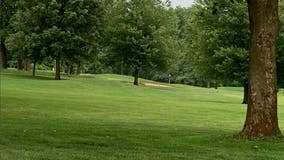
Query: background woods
[205,44]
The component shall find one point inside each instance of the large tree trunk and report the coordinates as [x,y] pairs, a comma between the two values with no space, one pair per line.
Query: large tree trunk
[3,55]
[136,76]
[57,67]
[261,120]
[245,98]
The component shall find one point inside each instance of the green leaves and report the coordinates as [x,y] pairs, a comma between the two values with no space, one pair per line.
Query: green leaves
[219,39]
[57,26]
[232,63]
[137,32]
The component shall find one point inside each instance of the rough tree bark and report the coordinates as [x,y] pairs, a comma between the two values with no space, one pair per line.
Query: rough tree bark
[261,120]
[136,76]
[57,67]
[3,55]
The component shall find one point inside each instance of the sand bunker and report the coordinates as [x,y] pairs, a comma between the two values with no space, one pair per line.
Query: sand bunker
[155,85]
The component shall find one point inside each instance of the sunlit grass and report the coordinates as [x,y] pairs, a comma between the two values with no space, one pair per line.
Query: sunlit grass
[105,117]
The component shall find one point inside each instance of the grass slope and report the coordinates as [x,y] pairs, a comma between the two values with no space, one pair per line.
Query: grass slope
[104,117]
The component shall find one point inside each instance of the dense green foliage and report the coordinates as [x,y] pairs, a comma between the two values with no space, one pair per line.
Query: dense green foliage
[6,12]
[219,36]
[201,45]
[7,9]
[105,117]
[55,29]
[139,33]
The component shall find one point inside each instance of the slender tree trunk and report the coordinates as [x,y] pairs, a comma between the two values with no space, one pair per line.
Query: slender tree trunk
[3,55]
[20,64]
[78,68]
[57,67]
[34,68]
[121,67]
[245,98]
[216,85]
[136,76]
[261,120]
[27,65]
[208,84]
[70,70]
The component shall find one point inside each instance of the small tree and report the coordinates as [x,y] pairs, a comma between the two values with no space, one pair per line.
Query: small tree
[27,47]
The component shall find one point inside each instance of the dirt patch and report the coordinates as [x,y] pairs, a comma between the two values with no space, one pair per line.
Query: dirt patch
[155,85]
[148,84]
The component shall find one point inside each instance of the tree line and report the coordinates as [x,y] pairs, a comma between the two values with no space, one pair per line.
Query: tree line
[206,44]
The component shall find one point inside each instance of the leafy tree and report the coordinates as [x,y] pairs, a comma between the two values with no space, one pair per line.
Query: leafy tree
[7,9]
[26,47]
[218,39]
[139,33]
[61,29]
[178,65]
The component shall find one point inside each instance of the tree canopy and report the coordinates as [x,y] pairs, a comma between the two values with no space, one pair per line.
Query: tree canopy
[202,45]
[61,29]
[138,34]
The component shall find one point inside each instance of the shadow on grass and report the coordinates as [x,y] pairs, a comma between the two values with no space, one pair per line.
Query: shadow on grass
[37,77]
[221,102]
[167,141]
[133,140]
[207,101]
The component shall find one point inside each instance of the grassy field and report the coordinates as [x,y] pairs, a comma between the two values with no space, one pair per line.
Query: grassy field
[104,117]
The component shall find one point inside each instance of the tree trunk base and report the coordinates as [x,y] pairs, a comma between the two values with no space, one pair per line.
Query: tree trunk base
[78,72]
[34,69]
[136,76]
[57,68]
[20,65]
[245,98]
[3,56]
[253,136]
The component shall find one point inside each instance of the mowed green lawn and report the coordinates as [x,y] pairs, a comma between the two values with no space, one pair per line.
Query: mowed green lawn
[104,117]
